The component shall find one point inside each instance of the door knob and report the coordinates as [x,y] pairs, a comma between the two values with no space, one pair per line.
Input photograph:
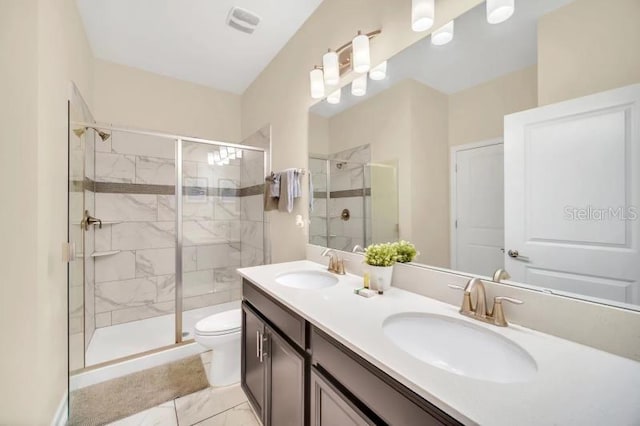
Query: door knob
[514,254]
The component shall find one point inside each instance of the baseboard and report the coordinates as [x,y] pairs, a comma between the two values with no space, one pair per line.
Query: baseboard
[60,417]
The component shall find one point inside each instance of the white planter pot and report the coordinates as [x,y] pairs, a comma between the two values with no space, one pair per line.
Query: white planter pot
[380,277]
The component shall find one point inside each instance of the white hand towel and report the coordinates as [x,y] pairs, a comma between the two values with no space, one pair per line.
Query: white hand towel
[289,189]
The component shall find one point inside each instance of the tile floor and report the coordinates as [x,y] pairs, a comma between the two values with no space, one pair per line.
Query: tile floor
[226,406]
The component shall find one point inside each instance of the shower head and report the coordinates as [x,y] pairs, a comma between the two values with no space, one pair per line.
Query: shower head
[81,131]
[103,135]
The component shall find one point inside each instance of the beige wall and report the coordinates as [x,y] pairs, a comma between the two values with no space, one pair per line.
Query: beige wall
[43,48]
[389,135]
[280,94]
[429,183]
[318,134]
[586,47]
[407,124]
[18,154]
[131,97]
[477,114]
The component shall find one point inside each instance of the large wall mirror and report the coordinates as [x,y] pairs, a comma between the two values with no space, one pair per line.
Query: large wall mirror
[514,145]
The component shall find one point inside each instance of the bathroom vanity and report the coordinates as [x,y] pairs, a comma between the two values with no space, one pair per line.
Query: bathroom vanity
[314,353]
[292,373]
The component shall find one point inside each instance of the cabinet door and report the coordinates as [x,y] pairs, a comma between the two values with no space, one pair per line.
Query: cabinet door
[253,364]
[285,383]
[329,407]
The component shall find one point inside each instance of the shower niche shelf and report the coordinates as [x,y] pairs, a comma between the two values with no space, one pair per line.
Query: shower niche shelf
[104,253]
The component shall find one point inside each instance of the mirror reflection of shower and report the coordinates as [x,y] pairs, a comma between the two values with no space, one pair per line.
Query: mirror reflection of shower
[82,130]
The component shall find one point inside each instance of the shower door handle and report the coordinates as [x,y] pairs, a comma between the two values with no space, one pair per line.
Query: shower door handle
[90,220]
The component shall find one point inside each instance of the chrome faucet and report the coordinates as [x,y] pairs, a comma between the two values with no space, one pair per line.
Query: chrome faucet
[479,311]
[500,274]
[336,265]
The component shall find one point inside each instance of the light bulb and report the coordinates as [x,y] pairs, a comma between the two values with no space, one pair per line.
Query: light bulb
[361,57]
[330,68]
[317,84]
[442,35]
[422,14]
[359,86]
[379,72]
[223,152]
[499,10]
[334,98]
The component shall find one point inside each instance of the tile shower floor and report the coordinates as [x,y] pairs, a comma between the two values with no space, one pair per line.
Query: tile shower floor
[135,337]
[226,406]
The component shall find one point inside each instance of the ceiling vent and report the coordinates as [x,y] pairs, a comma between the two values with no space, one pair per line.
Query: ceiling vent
[242,20]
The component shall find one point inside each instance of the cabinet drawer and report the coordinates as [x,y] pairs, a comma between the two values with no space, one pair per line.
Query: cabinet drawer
[387,398]
[287,322]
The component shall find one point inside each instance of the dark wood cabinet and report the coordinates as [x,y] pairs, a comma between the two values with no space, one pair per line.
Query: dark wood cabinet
[273,371]
[285,383]
[296,375]
[254,373]
[329,407]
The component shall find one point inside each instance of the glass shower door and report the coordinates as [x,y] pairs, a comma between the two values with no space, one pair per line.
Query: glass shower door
[81,202]
[218,209]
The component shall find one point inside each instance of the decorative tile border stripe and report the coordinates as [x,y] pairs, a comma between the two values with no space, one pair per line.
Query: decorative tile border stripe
[139,188]
[134,188]
[347,193]
[252,190]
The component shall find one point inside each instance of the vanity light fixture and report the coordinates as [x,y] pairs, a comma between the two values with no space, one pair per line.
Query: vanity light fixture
[232,153]
[238,154]
[316,79]
[359,86]
[379,72]
[210,158]
[361,53]
[354,55]
[224,154]
[334,98]
[442,35]
[423,14]
[331,68]
[499,10]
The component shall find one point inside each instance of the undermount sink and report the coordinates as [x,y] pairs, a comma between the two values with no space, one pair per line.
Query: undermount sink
[307,279]
[460,347]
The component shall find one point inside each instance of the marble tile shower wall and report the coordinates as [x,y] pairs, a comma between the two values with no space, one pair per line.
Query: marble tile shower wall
[318,216]
[138,281]
[348,178]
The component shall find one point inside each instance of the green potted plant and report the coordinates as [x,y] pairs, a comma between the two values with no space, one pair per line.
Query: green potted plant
[405,251]
[380,258]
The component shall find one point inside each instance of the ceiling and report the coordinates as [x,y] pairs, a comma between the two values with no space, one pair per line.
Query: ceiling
[189,40]
[479,52]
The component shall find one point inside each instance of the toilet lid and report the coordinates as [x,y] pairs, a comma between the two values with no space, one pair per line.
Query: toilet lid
[221,323]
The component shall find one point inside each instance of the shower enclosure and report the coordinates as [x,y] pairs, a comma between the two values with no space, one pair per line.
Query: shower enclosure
[355,203]
[159,224]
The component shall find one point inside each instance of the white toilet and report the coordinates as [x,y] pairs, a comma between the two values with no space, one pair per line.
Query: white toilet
[221,333]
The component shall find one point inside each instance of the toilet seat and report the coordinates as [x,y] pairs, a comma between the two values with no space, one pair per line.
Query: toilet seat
[220,324]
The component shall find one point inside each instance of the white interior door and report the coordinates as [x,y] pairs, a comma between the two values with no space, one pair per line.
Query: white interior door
[572,187]
[478,194]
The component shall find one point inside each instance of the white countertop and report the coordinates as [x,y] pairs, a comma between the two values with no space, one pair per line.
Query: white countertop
[574,384]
